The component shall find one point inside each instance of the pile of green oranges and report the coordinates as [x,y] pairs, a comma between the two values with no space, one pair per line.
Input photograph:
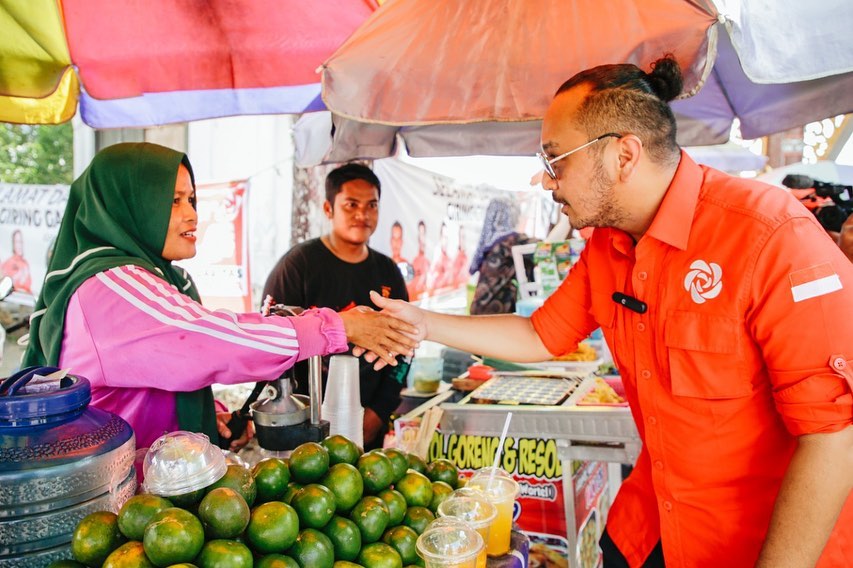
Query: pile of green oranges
[327,506]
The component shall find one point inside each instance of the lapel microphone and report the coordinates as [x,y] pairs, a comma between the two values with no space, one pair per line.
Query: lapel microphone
[629,302]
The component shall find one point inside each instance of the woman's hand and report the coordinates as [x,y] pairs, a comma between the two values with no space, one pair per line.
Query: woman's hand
[379,333]
[222,419]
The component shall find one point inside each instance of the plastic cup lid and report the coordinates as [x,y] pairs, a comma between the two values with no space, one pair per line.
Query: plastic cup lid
[475,509]
[180,462]
[457,541]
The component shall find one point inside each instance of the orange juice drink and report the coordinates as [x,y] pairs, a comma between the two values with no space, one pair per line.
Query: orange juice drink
[472,507]
[502,492]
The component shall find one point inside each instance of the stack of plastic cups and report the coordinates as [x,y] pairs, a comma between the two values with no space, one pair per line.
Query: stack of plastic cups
[342,402]
[501,489]
[451,543]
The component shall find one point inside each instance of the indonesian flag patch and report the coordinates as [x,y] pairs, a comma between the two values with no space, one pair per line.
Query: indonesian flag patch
[814,281]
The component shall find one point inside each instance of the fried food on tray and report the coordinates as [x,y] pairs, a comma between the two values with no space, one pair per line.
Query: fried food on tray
[542,556]
[602,393]
[584,352]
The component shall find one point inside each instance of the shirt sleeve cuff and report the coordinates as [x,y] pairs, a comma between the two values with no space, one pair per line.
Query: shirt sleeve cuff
[319,331]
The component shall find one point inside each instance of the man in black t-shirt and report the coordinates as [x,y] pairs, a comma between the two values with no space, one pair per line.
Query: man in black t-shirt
[338,271]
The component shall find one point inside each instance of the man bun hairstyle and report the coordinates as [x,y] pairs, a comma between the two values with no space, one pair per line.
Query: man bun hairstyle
[627,100]
[349,172]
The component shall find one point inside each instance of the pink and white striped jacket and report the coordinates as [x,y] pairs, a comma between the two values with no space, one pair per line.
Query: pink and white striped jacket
[138,341]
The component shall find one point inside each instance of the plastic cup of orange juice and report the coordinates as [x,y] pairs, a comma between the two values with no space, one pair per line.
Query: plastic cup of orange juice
[501,491]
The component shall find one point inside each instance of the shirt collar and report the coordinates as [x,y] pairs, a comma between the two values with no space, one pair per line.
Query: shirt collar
[674,218]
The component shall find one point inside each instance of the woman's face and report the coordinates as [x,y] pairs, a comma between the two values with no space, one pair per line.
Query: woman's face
[180,237]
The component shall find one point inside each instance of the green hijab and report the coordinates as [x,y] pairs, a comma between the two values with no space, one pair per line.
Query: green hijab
[118,213]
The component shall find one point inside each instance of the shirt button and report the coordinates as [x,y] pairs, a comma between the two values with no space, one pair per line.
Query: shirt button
[642,275]
[653,420]
[659,464]
[646,374]
[839,363]
[667,505]
[641,326]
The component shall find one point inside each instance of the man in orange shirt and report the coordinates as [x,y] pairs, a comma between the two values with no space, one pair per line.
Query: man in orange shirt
[728,311]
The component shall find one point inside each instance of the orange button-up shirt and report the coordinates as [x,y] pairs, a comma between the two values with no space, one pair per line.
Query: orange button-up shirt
[747,343]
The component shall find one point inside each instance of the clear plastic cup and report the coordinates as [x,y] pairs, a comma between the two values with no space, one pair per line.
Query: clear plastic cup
[502,492]
[180,462]
[451,545]
[343,390]
[472,507]
[349,423]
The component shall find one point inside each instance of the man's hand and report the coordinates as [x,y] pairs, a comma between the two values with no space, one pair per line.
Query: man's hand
[222,419]
[379,333]
[404,311]
[372,425]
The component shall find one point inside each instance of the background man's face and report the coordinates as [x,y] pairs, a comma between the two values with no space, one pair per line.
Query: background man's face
[396,240]
[355,212]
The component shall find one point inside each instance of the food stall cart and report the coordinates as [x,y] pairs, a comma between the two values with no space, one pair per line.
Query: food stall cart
[565,456]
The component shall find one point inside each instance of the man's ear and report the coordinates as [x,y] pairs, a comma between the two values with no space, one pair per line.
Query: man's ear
[327,209]
[630,151]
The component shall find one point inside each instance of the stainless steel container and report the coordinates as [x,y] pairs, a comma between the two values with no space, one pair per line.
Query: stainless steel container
[59,461]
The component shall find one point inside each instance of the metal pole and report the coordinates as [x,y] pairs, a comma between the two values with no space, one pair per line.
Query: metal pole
[315,388]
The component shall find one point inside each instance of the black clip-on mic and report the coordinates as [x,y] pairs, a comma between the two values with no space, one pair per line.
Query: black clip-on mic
[629,302]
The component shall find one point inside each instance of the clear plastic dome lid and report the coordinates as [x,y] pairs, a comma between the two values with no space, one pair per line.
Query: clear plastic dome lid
[180,462]
[474,509]
[443,540]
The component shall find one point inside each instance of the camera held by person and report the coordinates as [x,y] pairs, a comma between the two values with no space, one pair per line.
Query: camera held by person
[831,216]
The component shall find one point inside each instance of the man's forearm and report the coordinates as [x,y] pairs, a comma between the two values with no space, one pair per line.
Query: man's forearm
[814,489]
[504,336]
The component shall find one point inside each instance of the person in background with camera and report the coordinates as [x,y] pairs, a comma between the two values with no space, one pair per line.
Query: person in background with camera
[845,237]
[729,315]
[115,310]
[338,270]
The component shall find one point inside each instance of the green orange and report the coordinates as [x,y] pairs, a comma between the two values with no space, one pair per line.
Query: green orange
[137,512]
[276,561]
[443,470]
[376,470]
[223,513]
[95,537]
[187,500]
[221,553]
[346,564]
[379,555]
[128,555]
[346,483]
[416,488]
[341,449]
[271,478]
[292,488]
[403,539]
[418,518]
[273,527]
[315,505]
[345,536]
[240,480]
[440,492]
[399,462]
[173,535]
[309,463]
[313,549]
[396,505]
[416,463]
[371,515]
[64,563]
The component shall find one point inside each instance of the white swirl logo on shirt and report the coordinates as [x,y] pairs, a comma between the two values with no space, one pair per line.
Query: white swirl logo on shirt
[704,281]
